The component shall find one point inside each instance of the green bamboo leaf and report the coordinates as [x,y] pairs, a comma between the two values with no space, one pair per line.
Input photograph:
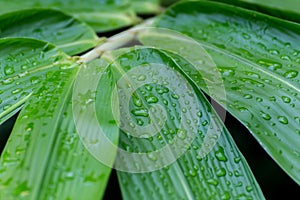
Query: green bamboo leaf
[258,58]
[146,6]
[67,33]
[24,64]
[44,157]
[100,15]
[222,174]
[288,9]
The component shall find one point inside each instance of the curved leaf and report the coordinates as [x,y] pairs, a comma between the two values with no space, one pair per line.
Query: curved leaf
[222,174]
[100,15]
[44,157]
[24,64]
[258,57]
[288,9]
[67,33]
[146,6]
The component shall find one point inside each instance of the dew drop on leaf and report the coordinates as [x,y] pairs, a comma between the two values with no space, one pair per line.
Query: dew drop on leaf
[286,99]
[220,154]
[265,115]
[283,119]
[221,172]
[290,74]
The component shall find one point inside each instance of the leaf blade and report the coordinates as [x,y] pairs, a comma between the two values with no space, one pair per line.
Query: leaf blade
[190,176]
[98,14]
[69,34]
[252,61]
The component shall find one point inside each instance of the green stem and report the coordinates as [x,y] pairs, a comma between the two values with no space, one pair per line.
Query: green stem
[115,41]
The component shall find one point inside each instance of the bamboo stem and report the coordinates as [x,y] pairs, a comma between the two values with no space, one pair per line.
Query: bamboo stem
[115,41]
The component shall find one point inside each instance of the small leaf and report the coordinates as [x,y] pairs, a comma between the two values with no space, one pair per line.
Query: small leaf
[67,33]
[101,15]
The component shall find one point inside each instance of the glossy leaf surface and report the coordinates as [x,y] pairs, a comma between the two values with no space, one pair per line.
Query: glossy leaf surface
[222,174]
[44,157]
[101,15]
[258,58]
[65,32]
[24,64]
[146,6]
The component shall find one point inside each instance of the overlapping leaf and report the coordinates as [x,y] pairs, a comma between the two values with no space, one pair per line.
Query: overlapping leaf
[67,33]
[44,157]
[222,174]
[288,9]
[101,15]
[258,57]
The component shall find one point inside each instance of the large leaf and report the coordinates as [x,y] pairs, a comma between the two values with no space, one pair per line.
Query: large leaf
[44,157]
[67,33]
[101,15]
[288,9]
[190,121]
[258,58]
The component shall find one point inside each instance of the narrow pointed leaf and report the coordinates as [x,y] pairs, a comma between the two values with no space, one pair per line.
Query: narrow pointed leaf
[222,174]
[101,15]
[258,58]
[288,9]
[44,157]
[24,64]
[67,33]
[146,6]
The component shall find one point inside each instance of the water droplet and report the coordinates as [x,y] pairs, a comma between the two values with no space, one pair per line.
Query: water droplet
[220,154]
[258,99]
[265,115]
[142,112]
[273,51]
[246,36]
[213,182]
[137,101]
[249,188]
[283,119]
[272,98]
[175,96]
[16,90]
[151,99]
[9,70]
[221,172]
[226,71]
[236,173]
[286,99]
[8,81]
[290,74]
[247,96]
[226,196]
[237,159]
[192,173]
[181,133]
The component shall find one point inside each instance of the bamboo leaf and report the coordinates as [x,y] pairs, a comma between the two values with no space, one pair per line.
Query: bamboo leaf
[44,157]
[67,33]
[222,174]
[258,59]
[146,6]
[100,15]
[24,64]
[283,9]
